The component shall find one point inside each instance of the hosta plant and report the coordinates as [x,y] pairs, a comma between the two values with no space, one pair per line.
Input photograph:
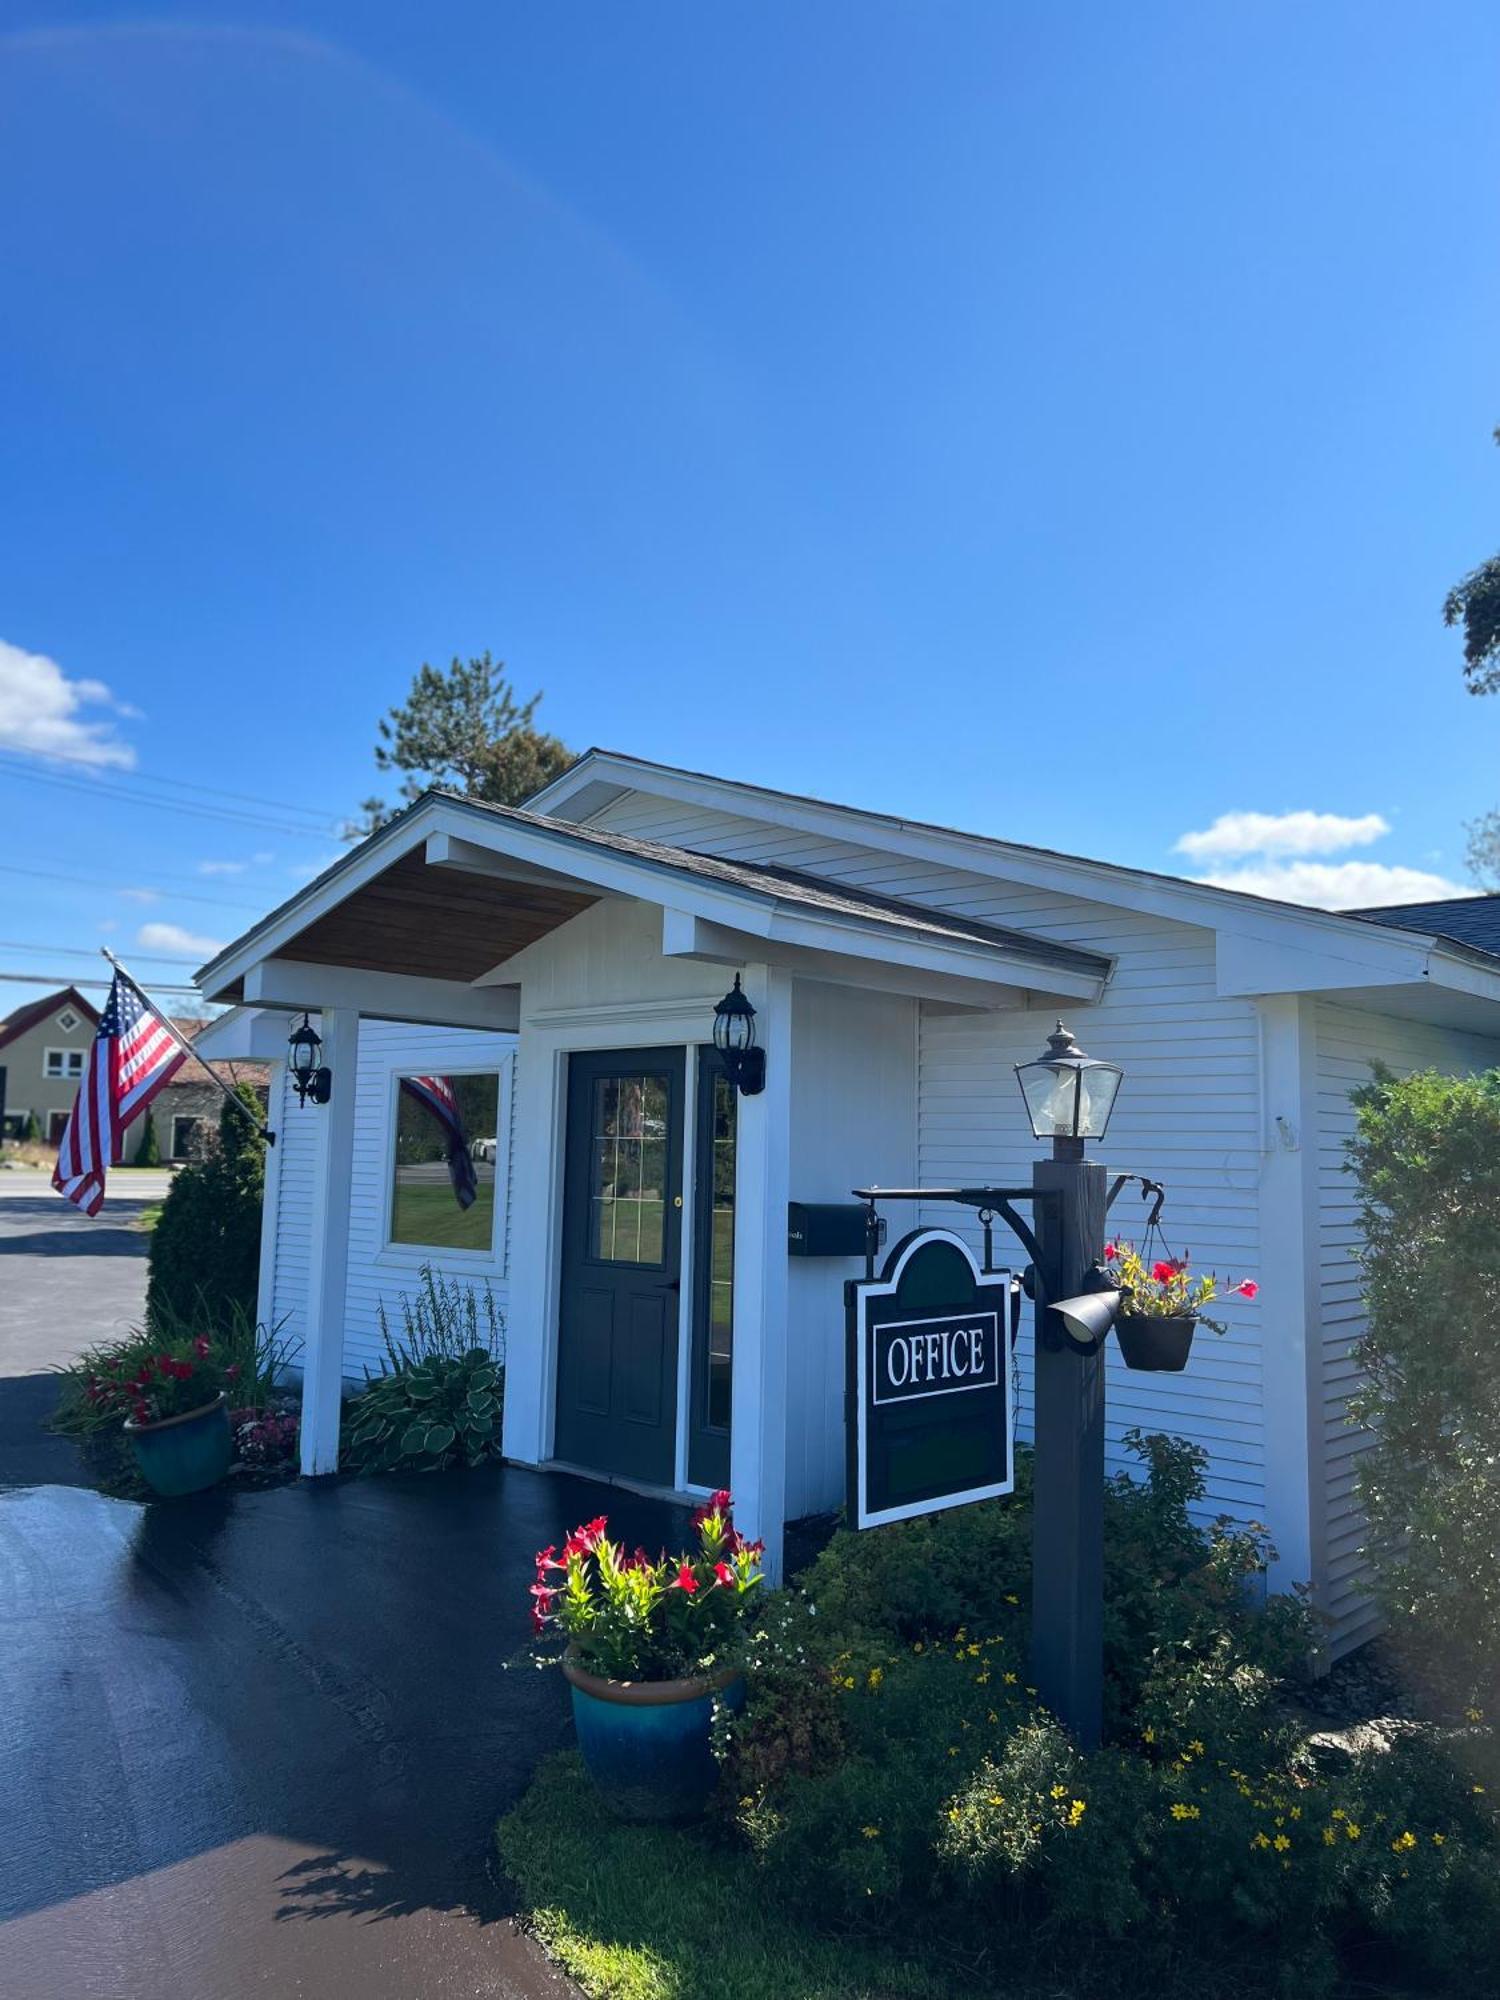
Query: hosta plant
[440,1411]
[641,1617]
[1166,1289]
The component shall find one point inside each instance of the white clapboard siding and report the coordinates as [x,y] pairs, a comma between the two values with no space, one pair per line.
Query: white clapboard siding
[1189,1113]
[376,1274]
[1348,1042]
[296,1128]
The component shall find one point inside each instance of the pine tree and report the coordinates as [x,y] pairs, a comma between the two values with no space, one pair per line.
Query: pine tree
[463,728]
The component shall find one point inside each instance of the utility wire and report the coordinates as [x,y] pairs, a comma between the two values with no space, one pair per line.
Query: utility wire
[102,789]
[167,883]
[74,951]
[73,979]
[69,766]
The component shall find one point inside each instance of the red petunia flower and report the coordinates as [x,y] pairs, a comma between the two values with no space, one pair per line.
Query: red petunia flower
[1111,1251]
[686,1580]
[1163,1274]
[201,1346]
[231,1371]
[1249,1289]
[724,1573]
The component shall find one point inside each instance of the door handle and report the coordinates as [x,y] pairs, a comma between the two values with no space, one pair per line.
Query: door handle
[671,1284]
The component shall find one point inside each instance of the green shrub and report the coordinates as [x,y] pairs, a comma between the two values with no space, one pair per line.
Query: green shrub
[440,1396]
[148,1152]
[894,1771]
[31,1131]
[1427,1158]
[204,1259]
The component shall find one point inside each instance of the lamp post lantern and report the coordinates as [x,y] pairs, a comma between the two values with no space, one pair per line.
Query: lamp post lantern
[1069,1098]
[734,1038]
[310,1078]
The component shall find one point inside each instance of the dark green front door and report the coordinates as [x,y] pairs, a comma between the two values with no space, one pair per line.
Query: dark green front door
[621,1264]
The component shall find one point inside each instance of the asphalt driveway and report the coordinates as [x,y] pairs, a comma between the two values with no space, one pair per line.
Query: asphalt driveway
[254,1743]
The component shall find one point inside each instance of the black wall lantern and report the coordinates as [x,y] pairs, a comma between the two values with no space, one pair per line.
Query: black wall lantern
[311,1078]
[734,1038]
[1069,1096]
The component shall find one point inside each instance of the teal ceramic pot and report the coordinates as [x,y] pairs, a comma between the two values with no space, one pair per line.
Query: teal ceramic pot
[183,1454]
[646,1744]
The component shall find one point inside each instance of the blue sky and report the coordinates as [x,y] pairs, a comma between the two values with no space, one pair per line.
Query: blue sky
[1060,422]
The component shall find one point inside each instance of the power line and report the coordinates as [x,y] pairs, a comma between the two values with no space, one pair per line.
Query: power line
[168,882]
[114,775]
[75,951]
[72,979]
[103,789]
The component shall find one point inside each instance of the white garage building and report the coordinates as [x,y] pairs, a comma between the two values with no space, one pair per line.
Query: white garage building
[562,965]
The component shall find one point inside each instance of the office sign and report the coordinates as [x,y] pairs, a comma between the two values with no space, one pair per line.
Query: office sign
[927,1387]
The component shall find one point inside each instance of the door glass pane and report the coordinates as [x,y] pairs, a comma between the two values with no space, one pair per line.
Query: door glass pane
[721,1258]
[628,1169]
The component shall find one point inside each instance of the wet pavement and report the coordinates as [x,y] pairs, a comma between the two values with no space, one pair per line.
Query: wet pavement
[254,1743]
[66,1281]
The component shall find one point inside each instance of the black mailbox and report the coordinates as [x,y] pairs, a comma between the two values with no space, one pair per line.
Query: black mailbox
[827,1228]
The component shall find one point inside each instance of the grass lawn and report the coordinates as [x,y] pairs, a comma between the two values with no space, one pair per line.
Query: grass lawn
[646,1913]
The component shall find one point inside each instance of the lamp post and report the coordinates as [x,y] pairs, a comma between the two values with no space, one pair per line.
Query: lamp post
[1069,1098]
[734,1038]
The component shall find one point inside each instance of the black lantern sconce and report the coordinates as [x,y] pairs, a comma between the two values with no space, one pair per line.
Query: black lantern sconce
[734,1038]
[308,1074]
[1069,1096]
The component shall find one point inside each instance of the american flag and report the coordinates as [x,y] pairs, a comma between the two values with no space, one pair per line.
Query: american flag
[437,1094]
[132,1057]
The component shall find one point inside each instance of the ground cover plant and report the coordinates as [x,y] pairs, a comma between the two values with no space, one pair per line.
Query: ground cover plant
[895,1785]
[439,1398]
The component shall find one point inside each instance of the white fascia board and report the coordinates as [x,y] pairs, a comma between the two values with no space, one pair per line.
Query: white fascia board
[687,936]
[295,984]
[1252,967]
[244,1034]
[1222,910]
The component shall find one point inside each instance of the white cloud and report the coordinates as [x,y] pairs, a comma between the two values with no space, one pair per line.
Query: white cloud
[1337,885]
[141,895]
[222,867]
[173,939]
[39,713]
[304,871]
[1235,834]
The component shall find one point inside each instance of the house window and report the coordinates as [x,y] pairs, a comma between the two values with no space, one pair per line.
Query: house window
[443,1171]
[67,1020]
[64,1064]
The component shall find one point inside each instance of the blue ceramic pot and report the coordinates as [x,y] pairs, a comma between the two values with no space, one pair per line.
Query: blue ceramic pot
[183,1454]
[645,1744]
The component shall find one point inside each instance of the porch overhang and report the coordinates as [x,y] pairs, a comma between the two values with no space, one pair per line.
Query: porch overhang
[428,919]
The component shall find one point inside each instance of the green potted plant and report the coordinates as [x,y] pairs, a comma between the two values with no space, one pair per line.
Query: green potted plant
[175,1406]
[1164,1307]
[652,1645]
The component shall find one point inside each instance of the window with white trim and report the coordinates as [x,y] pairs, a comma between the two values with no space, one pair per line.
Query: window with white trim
[65,1065]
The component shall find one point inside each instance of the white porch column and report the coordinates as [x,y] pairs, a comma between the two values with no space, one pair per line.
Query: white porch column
[1291,1314]
[323,1355]
[757,1455]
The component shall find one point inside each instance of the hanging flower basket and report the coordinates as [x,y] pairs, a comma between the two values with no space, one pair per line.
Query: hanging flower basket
[1155,1345]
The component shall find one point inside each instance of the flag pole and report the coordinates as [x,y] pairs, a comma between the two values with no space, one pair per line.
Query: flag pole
[230,1096]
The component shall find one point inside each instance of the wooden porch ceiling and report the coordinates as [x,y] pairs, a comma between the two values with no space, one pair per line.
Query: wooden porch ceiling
[435,923]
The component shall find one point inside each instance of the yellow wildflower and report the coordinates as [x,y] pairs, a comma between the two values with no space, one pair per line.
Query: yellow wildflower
[1261,1840]
[1180,1811]
[1010,1680]
[1339,1813]
[1438,1839]
[873,1679]
[873,1832]
[1076,1810]
[1282,1842]
[1059,1791]
[1195,1748]
[1404,1842]
[1352,1830]
[1474,1715]
[1031,1690]
[1148,1734]
[952,1749]
[1330,1838]
[1011,1598]
[997,1798]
